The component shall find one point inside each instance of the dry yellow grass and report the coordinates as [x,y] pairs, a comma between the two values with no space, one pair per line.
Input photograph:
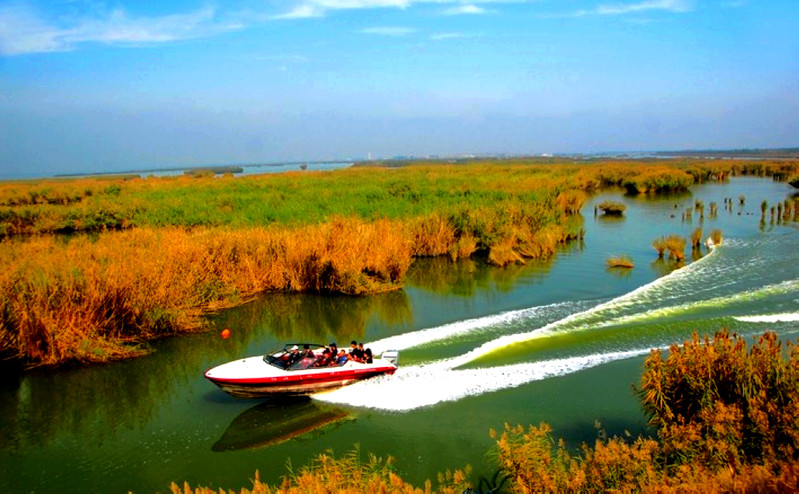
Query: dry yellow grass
[675,244]
[716,236]
[659,244]
[620,262]
[95,300]
[348,475]
[696,238]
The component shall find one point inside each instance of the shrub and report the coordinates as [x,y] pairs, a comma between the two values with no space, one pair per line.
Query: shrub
[725,420]
[61,302]
[612,208]
[348,475]
[716,402]
[675,244]
[659,244]
[696,238]
[620,262]
[716,237]
[570,201]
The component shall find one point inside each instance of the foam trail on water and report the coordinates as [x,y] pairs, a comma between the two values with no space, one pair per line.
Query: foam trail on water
[616,304]
[420,386]
[423,336]
[770,318]
[778,288]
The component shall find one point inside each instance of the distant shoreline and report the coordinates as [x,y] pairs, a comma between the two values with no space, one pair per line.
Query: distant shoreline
[742,154]
[189,169]
[777,153]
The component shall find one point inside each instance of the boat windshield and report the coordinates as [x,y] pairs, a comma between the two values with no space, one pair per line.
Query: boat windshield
[295,356]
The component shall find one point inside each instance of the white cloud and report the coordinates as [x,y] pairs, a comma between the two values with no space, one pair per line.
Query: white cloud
[676,6]
[23,31]
[667,5]
[388,31]
[445,36]
[466,9]
[360,4]
[302,12]
[320,7]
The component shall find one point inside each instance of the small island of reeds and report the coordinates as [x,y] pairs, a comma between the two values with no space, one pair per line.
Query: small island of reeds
[622,261]
[612,208]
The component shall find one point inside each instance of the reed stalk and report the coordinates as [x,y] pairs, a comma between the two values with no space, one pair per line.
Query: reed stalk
[675,244]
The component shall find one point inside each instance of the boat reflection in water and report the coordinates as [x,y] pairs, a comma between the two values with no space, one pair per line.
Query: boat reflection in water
[276,421]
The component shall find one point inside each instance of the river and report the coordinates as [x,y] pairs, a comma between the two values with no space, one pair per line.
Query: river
[561,341]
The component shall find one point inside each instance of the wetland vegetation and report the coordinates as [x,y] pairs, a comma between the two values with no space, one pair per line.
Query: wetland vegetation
[553,319]
[94,268]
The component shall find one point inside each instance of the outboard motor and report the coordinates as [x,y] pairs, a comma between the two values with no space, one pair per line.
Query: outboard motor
[392,356]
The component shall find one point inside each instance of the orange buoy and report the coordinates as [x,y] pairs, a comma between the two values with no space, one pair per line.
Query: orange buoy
[225,334]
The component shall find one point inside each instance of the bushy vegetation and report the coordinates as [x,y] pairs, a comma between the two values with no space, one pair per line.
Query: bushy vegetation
[620,262]
[674,244]
[717,403]
[724,419]
[716,236]
[612,208]
[659,244]
[696,238]
[348,475]
[93,300]
[298,198]
[217,241]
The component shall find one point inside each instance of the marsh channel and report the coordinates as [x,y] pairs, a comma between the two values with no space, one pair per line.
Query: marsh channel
[561,341]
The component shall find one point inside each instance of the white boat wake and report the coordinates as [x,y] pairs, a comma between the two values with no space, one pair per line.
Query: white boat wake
[425,385]
[468,326]
[682,291]
[769,318]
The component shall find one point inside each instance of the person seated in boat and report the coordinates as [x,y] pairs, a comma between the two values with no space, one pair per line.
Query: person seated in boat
[356,353]
[333,349]
[308,357]
[323,360]
[367,353]
[289,356]
[294,356]
[342,357]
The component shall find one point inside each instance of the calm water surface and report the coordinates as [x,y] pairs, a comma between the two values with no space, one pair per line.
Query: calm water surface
[560,341]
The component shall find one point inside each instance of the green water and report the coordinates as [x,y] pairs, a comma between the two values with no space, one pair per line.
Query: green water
[560,341]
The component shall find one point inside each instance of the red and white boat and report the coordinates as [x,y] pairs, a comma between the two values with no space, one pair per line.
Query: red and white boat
[294,370]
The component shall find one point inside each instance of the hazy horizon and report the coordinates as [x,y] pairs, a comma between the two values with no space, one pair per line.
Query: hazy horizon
[88,86]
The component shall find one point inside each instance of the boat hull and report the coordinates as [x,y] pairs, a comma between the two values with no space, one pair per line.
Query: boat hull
[297,382]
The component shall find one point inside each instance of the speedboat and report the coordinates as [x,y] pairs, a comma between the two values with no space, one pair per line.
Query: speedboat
[296,369]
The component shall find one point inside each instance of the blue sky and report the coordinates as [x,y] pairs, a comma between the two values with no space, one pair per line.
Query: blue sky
[88,85]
